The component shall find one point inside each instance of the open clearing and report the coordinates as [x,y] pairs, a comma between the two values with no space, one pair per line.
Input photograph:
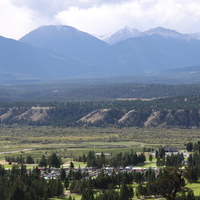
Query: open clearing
[69,142]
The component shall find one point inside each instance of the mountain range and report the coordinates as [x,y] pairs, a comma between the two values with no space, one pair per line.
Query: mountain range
[127,33]
[120,35]
[54,52]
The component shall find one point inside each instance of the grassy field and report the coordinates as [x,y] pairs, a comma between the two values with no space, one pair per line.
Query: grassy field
[75,141]
[195,187]
[68,143]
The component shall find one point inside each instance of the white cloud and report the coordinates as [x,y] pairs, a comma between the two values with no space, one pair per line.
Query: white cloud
[18,17]
[17,21]
[92,20]
[141,14]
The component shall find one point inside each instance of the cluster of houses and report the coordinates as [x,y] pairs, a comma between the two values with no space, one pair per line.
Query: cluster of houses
[173,150]
[54,173]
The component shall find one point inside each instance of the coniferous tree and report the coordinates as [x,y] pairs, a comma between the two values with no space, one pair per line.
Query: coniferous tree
[43,162]
[150,157]
[71,165]
[124,192]
[87,194]
[189,146]
[59,188]
[66,182]
[29,160]
[54,160]
[46,194]
[170,182]
[62,174]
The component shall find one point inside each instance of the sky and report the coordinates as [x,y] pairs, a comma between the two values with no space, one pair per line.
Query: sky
[19,17]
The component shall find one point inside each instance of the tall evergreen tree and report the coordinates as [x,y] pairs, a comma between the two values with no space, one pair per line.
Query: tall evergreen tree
[62,174]
[54,160]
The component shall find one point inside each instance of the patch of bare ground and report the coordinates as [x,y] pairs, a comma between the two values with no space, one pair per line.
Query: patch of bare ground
[68,163]
[94,116]
[3,162]
[6,115]
[153,120]
[67,193]
[35,114]
[126,116]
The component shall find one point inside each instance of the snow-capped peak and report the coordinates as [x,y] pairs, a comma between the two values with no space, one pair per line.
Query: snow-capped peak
[126,29]
[127,32]
[65,28]
[103,37]
[166,33]
[121,35]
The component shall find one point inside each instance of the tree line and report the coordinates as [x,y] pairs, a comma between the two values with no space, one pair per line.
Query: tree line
[23,184]
[93,91]
[174,111]
[52,160]
[169,182]
[120,159]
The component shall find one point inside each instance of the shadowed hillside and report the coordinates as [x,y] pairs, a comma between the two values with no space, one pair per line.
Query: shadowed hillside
[181,112]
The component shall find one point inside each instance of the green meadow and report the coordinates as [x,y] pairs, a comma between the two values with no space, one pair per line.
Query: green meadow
[69,143]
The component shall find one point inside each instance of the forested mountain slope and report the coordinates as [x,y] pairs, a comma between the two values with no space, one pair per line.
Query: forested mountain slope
[94,89]
[166,112]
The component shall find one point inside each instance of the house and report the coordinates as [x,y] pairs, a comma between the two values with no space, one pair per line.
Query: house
[170,150]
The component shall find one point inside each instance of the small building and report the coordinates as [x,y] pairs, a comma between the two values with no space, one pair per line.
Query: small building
[167,151]
[171,149]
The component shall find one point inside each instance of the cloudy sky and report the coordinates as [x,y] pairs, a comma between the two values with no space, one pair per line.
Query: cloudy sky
[18,17]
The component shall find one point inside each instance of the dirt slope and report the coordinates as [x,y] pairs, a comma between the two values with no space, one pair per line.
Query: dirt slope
[6,115]
[94,116]
[126,116]
[34,114]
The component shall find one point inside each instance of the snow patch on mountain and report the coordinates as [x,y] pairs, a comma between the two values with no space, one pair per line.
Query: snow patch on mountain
[121,35]
[195,36]
[103,37]
[166,33]
[127,33]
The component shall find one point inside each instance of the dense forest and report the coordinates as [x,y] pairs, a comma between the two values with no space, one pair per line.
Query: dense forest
[181,111]
[119,160]
[116,183]
[18,183]
[92,90]
[169,182]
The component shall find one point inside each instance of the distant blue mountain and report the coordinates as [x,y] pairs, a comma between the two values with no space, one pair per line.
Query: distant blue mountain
[121,35]
[25,62]
[52,52]
[127,33]
[167,33]
[66,40]
[154,53]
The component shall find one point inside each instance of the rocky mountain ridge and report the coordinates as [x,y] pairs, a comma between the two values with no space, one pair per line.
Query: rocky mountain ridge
[127,33]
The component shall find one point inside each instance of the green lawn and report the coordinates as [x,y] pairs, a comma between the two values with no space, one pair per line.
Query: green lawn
[76,164]
[148,165]
[77,197]
[195,187]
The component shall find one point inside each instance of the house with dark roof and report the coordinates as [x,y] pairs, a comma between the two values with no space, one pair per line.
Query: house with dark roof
[171,149]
